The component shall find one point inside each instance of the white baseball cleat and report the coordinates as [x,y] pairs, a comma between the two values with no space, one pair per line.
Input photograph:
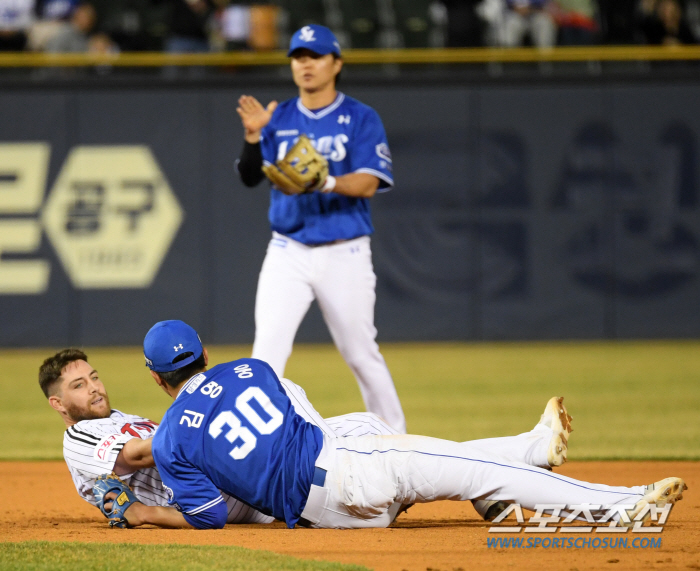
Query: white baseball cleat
[666,491]
[557,418]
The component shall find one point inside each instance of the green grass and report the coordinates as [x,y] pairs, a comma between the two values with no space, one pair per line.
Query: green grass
[630,400]
[54,556]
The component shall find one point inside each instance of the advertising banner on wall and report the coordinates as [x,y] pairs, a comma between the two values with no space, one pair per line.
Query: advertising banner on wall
[518,213]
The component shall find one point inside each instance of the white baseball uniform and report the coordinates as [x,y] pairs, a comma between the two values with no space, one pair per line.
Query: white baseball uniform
[370,475]
[366,477]
[91,447]
[529,448]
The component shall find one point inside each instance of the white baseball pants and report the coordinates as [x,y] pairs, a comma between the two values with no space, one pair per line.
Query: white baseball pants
[368,476]
[529,448]
[341,277]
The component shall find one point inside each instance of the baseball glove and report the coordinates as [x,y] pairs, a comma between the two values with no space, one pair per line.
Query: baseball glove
[125,497]
[303,169]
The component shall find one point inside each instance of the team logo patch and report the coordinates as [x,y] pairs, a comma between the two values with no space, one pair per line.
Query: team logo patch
[383,152]
[104,446]
[307,34]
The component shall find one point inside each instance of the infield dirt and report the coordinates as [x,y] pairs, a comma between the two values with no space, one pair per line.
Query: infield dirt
[38,502]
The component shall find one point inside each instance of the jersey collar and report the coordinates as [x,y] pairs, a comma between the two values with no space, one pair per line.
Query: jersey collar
[191,385]
[323,112]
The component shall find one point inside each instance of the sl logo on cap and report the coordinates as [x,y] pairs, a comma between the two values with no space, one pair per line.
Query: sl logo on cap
[307,34]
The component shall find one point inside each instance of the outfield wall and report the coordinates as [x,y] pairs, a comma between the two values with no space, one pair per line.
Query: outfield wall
[521,211]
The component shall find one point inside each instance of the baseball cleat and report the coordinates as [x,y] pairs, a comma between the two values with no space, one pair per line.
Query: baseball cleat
[489,509]
[666,491]
[557,418]
[494,510]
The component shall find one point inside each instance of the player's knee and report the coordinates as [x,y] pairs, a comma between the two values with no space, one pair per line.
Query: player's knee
[359,358]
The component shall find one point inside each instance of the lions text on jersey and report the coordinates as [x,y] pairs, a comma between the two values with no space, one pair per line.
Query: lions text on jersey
[350,135]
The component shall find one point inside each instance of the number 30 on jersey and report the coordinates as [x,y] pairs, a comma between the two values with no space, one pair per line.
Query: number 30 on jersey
[236,429]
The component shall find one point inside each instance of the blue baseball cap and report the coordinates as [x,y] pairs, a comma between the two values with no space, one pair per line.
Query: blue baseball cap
[318,39]
[165,341]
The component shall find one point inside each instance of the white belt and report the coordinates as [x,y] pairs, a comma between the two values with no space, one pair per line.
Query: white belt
[318,494]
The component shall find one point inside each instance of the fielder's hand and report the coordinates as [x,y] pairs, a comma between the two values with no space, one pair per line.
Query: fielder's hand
[254,116]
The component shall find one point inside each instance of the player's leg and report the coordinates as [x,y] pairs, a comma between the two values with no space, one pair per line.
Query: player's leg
[359,424]
[352,424]
[282,299]
[346,295]
[532,448]
[238,512]
[304,408]
[546,445]
[368,475]
[513,29]
[543,29]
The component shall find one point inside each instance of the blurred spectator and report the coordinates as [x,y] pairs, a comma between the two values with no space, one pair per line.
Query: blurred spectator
[577,22]
[240,26]
[16,17]
[528,16]
[263,27]
[189,30]
[73,36]
[663,23]
[231,28]
[51,16]
[511,22]
[101,43]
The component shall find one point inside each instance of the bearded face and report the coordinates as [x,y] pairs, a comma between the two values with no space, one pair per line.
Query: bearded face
[81,396]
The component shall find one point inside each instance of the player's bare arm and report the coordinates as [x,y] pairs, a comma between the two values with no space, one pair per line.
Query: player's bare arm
[135,455]
[254,116]
[140,514]
[357,184]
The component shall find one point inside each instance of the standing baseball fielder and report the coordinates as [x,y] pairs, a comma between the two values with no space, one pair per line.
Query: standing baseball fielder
[320,246]
[233,428]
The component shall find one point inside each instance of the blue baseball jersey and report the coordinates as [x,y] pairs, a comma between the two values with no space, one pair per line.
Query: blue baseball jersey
[350,135]
[233,428]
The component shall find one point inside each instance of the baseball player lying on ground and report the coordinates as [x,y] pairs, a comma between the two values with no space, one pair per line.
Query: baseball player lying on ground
[233,429]
[100,440]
